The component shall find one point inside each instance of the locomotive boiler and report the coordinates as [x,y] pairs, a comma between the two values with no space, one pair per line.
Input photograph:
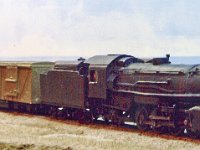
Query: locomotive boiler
[153,93]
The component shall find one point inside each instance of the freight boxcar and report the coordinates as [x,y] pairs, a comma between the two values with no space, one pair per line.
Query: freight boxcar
[20,81]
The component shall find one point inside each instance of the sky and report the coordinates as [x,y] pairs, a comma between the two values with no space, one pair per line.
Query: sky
[141,28]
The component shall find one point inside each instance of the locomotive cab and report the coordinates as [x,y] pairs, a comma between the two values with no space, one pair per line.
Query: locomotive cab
[100,68]
[97,81]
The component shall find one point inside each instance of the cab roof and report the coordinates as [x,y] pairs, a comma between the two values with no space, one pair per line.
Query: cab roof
[104,60]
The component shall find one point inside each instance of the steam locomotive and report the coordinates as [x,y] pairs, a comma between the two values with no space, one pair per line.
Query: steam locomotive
[152,93]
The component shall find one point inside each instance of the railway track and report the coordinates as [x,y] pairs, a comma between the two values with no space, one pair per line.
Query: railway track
[102,125]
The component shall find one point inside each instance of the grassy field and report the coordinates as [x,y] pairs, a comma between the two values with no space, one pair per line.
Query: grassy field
[37,132]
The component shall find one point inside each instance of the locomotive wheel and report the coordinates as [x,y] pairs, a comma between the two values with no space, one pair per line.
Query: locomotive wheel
[160,130]
[79,115]
[176,131]
[106,120]
[140,117]
[88,117]
[94,117]
[83,117]
[193,134]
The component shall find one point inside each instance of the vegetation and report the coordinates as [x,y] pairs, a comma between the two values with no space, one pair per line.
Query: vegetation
[20,132]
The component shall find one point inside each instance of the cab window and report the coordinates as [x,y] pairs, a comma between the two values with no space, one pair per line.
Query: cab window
[93,76]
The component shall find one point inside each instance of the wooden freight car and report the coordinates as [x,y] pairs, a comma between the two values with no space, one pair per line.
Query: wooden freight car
[20,81]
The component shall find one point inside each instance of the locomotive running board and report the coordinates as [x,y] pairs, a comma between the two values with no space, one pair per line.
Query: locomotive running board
[153,117]
[159,94]
[159,124]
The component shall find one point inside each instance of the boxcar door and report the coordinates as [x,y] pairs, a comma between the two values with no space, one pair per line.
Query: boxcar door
[10,91]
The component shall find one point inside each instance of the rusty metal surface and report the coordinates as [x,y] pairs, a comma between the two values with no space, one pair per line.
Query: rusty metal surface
[63,88]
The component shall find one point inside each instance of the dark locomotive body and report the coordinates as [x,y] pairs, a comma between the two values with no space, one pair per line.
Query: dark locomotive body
[118,88]
[162,94]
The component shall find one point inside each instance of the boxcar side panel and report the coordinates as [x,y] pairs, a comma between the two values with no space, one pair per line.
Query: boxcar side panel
[3,76]
[1,82]
[16,84]
[36,89]
[24,85]
[1,72]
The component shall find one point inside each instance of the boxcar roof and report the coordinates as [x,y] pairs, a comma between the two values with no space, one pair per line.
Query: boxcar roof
[24,64]
[165,68]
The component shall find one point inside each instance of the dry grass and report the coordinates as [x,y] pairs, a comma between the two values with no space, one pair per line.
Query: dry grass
[27,132]
[5,146]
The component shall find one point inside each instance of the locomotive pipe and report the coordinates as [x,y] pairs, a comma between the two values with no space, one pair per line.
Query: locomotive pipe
[174,95]
[152,83]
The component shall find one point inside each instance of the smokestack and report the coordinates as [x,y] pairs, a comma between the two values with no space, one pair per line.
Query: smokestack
[168,55]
